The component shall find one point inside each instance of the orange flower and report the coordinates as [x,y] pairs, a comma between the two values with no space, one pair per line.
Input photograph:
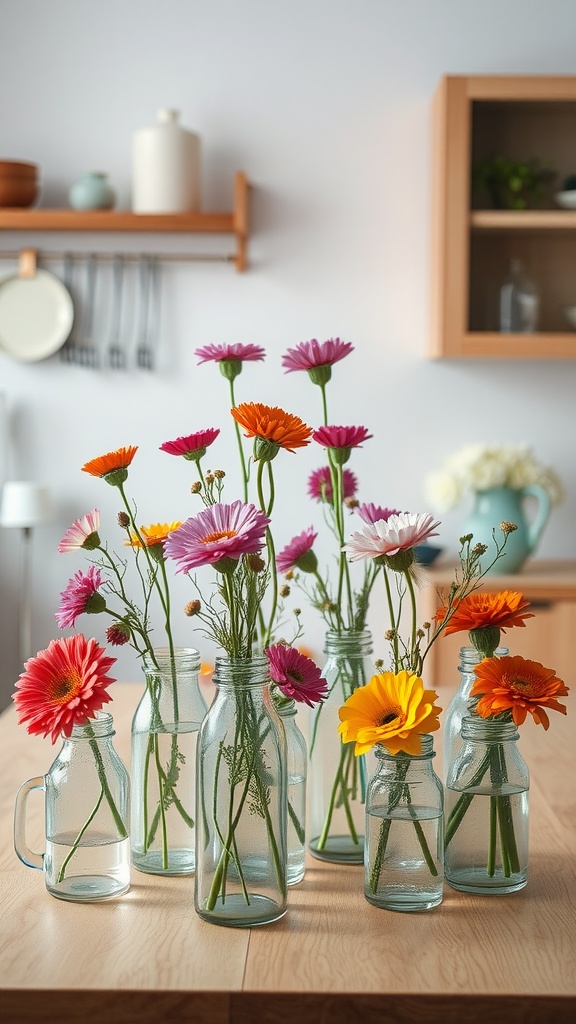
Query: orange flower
[154,534]
[110,463]
[517,685]
[269,423]
[478,611]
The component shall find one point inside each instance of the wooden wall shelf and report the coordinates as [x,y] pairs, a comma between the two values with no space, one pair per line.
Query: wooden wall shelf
[235,223]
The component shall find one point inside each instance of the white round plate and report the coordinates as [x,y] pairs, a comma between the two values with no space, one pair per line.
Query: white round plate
[36,316]
[567,200]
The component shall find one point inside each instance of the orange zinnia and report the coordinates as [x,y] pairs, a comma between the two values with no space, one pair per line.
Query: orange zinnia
[111,462]
[478,611]
[517,685]
[272,424]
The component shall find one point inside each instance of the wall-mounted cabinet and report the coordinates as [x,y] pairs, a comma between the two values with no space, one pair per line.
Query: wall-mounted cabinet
[234,223]
[521,118]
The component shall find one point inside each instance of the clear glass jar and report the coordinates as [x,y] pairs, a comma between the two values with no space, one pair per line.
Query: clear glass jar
[519,302]
[242,800]
[87,794]
[486,836]
[337,779]
[165,731]
[403,863]
[297,765]
[458,706]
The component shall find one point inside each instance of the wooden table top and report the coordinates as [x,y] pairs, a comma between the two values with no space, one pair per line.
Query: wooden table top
[148,957]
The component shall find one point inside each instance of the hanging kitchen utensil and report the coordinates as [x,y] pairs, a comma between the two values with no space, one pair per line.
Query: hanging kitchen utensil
[68,352]
[36,312]
[116,356]
[87,352]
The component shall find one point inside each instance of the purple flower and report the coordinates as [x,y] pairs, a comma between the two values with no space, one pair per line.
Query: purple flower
[220,353]
[220,532]
[371,513]
[296,675]
[193,446]
[320,484]
[81,595]
[298,553]
[310,354]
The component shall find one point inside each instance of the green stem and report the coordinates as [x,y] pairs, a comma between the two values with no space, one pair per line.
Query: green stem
[121,828]
[298,827]
[392,618]
[245,476]
[76,842]
[347,751]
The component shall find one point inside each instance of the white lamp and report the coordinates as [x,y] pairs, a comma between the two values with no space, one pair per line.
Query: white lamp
[25,505]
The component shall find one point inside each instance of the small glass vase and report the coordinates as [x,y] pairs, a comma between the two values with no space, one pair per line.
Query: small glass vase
[165,731]
[486,836]
[337,779]
[242,800]
[458,706]
[403,863]
[87,794]
[297,765]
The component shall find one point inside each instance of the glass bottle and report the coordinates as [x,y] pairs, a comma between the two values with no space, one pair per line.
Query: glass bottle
[337,779]
[297,765]
[242,800]
[165,731]
[519,302]
[87,794]
[403,863]
[486,835]
[458,706]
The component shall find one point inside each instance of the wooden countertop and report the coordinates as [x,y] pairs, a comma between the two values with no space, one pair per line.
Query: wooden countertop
[148,957]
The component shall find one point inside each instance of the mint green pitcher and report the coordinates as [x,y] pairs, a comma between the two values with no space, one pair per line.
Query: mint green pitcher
[508,504]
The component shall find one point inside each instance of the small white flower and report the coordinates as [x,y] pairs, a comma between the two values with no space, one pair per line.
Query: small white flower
[479,467]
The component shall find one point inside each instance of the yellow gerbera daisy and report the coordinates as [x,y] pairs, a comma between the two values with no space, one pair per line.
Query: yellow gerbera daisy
[393,709]
[154,534]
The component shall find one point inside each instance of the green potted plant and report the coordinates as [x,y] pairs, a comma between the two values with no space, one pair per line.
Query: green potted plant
[512,184]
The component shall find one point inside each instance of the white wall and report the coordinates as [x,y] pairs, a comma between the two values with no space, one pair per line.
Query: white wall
[326,105]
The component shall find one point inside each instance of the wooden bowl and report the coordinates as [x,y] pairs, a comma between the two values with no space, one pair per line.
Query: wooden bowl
[18,191]
[18,169]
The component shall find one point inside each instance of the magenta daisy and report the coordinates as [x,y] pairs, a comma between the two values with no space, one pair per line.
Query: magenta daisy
[341,437]
[401,532]
[217,536]
[193,446]
[226,353]
[82,534]
[118,634]
[80,596]
[309,355]
[371,513]
[296,675]
[320,484]
[298,553]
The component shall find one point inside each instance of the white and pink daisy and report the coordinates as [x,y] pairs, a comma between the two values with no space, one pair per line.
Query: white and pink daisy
[401,532]
[298,553]
[371,513]
[310,354]
[220,533]
[80,596]
[193,446]
[63,686]
[296,675]
[320,484]
[82,534]
[226,353]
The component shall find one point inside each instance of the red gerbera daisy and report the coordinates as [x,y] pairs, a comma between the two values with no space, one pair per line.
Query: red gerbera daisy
[296,675]
[63,686]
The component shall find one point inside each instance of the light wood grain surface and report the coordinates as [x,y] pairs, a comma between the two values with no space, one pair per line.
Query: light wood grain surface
[148,957]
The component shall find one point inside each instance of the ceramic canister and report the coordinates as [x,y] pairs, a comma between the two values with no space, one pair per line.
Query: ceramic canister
[165,167]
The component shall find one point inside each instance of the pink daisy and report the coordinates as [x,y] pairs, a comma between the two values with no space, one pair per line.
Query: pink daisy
[296,675]
[320,484]
[82,534]
[371,513]
[400,532]
[310,354]
[220,353]
[80,596]
[118,634]
[341,437]
[193,446]
[298,553]
[216,533]
[63,686]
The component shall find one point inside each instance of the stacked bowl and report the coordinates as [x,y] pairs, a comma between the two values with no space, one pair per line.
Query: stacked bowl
[18,183]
